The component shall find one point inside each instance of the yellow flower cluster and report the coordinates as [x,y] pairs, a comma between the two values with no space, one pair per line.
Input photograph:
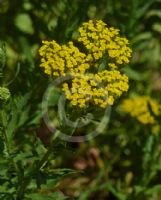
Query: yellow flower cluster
[100,40]
[98,89]
[143,108]
[59,60]
[88,84]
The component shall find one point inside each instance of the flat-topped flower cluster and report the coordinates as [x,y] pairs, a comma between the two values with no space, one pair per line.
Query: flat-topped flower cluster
[94,66]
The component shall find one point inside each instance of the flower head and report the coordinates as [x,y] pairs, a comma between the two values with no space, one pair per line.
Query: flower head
[91,83]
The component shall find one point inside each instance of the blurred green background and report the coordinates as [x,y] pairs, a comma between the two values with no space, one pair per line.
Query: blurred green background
[125,162]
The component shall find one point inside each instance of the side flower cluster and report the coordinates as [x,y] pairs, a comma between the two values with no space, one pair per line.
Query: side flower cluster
[100,40]
[143,108]
[59,60]
[90,83]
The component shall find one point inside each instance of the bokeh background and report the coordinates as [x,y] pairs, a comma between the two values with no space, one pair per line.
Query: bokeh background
[125,161]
